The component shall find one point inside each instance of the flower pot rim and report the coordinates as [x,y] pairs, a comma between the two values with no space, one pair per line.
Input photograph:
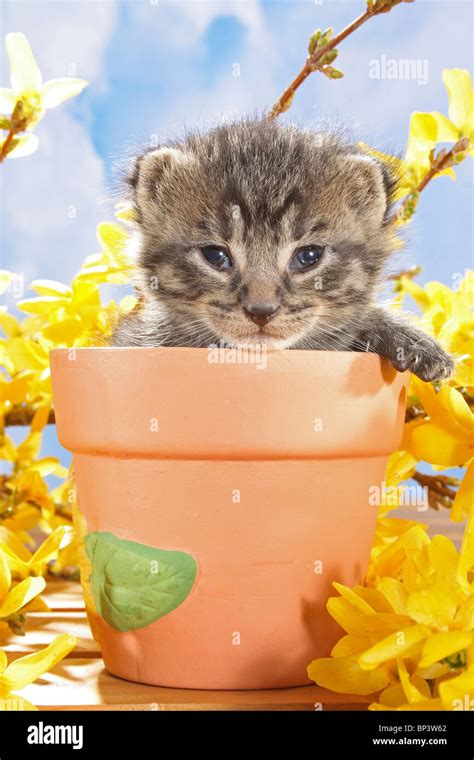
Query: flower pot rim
[225,407]
[371,356]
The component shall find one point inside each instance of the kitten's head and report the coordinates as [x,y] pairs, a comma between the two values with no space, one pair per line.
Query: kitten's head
[259,233]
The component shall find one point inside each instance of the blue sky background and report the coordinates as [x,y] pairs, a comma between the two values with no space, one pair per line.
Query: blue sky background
[156,67]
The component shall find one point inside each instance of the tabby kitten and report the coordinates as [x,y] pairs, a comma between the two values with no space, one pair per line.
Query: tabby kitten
[260,233]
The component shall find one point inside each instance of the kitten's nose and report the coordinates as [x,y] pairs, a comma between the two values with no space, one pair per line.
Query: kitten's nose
[260,313]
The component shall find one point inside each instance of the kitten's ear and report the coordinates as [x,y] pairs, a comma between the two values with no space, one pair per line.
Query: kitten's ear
[150,170]
[370,186]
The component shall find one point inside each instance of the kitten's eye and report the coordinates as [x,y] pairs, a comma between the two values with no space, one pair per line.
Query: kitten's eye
[306,257]
[217,257]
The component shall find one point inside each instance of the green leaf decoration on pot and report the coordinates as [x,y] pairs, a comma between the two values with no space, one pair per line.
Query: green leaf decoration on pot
[133,585]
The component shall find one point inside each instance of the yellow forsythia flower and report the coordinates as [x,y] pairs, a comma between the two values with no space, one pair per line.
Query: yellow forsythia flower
[422,139]
[447,314]
[447,437]
[23,671]
[13,600]
[410,635]
[458,83]
[36,563]
[426,131]
[29,97]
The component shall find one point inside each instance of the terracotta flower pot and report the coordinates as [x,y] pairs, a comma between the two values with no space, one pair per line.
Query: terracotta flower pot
[218,496]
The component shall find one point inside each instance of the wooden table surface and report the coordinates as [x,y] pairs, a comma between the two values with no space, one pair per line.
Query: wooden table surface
[80,681]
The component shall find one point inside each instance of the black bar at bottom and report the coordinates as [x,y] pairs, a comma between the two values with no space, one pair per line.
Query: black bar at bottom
[137,735]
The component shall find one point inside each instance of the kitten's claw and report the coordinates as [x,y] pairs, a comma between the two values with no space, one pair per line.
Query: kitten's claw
[426,360]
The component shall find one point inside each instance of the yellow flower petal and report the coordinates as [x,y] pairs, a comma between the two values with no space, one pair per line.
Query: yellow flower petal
[7,449]
[418,294]
[345,676]
[465,614]
[412,693]
[432,608]
[423,127]
[429,398]
[23,671]
[11,540]
[56,91]
[437,445]
[42,304]
[395,593]
[23,593]
[27,354]
[464,500]
[25,75]
[374,598]
[49,466]
[40,419]
[441,645]
[17,565]
[3,661]
[51,288]
[437,670]
[30,448]
[398,644]
[444,559]
[350,596]
[422,137]
[9,324]
[125,212]
[447,131]
[346,615]
[402,464]
[5,577]
[466,556]
[456,693]
[17,389]
[49,548]
[458,83]
[24,146]
[457,407]
[350,645]
[8,100]
[394,695]
[112,236]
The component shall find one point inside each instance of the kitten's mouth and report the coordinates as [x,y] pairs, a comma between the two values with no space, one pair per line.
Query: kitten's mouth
[263,337]
[271,335]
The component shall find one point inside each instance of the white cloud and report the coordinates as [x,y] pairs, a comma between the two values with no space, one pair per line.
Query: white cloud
[53,201]
[64,34]
[167,43]
[42,191]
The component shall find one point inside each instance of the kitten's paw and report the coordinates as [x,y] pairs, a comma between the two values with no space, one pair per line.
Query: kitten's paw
[426,359]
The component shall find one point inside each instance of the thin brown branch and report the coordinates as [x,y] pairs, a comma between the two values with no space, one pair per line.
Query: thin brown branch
[411,272]
[440,492]
[18,123]
[414,413]
[23,415]
[7,144]
[314,60]
[444,160]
